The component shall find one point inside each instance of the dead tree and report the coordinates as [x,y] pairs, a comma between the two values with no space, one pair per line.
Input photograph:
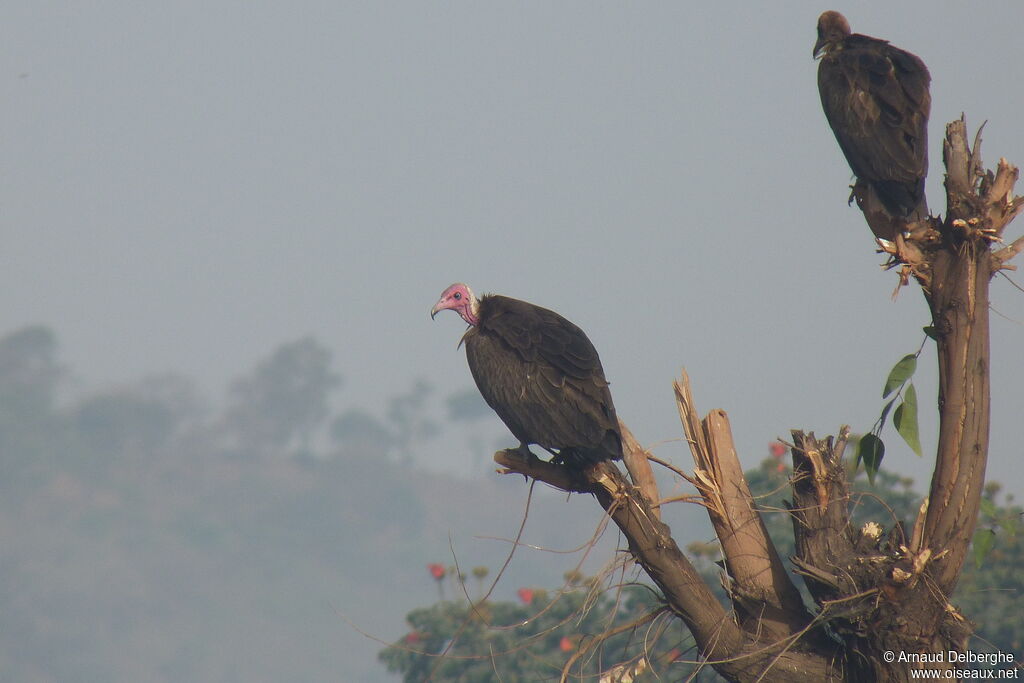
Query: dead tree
[874,590]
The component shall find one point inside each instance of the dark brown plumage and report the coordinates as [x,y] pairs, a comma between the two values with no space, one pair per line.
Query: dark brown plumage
[876,100]
[540,374]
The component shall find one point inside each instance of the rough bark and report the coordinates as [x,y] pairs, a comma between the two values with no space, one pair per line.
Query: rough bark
[871,587]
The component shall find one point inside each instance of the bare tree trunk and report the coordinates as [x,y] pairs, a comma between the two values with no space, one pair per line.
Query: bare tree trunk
[874,591]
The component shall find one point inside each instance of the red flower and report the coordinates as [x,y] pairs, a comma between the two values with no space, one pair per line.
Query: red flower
[525,595]
[412,637]
[566,645]
[436,570]
[777,449]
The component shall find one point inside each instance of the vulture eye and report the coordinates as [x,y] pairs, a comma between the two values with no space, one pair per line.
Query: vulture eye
[458,295]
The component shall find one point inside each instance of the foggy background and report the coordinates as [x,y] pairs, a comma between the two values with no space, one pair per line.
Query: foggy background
[188,187]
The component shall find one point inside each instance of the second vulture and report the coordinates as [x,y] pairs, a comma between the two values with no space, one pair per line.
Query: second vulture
[876,100]
[540,374]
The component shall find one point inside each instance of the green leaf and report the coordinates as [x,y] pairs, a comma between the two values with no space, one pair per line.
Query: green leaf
[885,414]
[905,419]
[981,545]
[931,332]
[870,451]
[900,373]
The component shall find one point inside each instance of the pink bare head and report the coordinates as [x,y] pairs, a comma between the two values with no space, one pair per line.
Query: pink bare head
[459,298]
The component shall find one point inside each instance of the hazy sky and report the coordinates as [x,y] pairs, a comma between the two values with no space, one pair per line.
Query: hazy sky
[187,185]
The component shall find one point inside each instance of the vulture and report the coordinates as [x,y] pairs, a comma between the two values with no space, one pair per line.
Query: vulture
[540,374]
[876,100]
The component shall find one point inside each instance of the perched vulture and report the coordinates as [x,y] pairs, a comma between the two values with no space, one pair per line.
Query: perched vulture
[540,374]
[876,100]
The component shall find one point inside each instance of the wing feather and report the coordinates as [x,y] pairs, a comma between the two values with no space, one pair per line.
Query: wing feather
[543,378]
[875,97]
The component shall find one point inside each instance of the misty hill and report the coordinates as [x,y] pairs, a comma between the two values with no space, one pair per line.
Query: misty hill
[150,537]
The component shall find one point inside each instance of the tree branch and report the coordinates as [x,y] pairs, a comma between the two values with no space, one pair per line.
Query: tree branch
[1002,256]
[636,459]
[821,520]
[762,591]
[649,539]
[733,652]
[958,298]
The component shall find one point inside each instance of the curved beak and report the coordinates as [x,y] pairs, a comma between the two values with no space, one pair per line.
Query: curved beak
[819,49]
[435,310]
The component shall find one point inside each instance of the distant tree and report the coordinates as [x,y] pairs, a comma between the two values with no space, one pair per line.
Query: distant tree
[357,430]
[283,400]
[991,589]
[408,417]
[30,425]
[144,415]
[29,372]
[406,422]
[132,545]
[467,405]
